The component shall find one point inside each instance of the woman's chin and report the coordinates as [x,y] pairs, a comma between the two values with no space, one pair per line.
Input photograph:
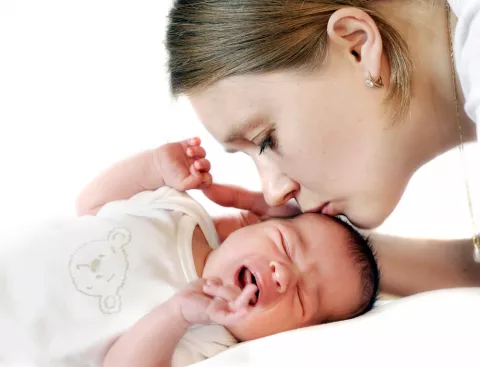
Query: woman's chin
[372,220]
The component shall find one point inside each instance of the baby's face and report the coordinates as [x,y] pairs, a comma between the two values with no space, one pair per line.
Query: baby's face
[302,268]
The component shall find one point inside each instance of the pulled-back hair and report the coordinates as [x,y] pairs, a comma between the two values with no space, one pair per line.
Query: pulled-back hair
[209,40]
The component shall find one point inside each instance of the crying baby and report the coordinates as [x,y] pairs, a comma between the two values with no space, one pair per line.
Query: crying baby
[141,277]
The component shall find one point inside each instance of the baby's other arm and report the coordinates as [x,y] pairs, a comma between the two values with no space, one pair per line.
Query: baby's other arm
[151,342]
[181,165]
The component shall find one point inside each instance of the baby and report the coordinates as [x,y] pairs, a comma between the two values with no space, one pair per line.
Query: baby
[142,280]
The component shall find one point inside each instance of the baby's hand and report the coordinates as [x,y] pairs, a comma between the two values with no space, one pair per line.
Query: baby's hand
[209,301]
[183,165]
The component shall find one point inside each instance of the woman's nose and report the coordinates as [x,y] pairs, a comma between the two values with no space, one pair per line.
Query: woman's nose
[277,188]
[282,275]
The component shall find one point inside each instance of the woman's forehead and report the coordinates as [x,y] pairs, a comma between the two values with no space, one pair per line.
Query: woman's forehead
[241,103]
[226,112]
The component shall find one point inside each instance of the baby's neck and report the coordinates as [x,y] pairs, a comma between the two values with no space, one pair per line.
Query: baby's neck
[200,250]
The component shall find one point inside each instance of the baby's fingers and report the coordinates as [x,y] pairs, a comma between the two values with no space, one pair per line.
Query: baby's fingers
[196,152]
[202,177]
[245,298]
[205,179]
[195,141]
[191,145]
[202,165]
[205,176]
[226,292]
[220,313]
[198,180]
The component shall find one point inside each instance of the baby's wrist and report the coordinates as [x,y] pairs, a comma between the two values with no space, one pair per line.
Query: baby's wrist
[153,177]
[175,305]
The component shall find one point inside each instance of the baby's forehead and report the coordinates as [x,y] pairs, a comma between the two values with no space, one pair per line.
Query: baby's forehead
[317,222]
[323,233]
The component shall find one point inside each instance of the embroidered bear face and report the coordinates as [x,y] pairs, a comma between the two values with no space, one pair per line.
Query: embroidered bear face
[99,269]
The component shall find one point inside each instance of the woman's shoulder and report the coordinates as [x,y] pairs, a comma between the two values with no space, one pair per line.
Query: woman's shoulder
[463,7]
[467,53]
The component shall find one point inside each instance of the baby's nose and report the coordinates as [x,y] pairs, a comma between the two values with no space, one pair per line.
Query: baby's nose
[282,276]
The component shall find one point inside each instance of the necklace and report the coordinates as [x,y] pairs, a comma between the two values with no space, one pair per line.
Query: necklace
[476,242]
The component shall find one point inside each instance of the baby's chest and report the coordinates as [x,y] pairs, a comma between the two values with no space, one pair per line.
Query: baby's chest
[92,279]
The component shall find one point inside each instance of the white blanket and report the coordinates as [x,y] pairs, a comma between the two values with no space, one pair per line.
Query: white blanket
[440,328]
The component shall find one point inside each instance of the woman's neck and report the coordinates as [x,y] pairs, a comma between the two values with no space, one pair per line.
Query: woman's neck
[433,118]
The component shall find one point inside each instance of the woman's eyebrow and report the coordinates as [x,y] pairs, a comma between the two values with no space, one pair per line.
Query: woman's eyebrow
[238,131]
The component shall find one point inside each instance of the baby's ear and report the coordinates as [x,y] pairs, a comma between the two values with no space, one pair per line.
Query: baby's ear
[120,236]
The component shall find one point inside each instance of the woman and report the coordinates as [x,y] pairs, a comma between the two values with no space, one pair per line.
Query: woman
[338,102]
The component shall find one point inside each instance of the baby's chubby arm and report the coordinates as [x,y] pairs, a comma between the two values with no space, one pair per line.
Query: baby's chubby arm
[151,342]
[181,165]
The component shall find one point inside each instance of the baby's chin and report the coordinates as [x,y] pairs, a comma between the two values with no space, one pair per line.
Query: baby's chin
[238,334]
[249,330]
[242,333]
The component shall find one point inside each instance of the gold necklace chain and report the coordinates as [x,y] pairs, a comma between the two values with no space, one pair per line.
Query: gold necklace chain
[476,242]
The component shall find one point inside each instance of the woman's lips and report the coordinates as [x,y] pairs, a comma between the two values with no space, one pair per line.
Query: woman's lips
[330,210]
[326,208]
[318,209]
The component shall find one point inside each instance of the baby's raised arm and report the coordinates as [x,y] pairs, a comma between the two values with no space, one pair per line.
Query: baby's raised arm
[181,165]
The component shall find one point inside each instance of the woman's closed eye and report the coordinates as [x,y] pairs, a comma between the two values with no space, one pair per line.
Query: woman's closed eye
[268,142]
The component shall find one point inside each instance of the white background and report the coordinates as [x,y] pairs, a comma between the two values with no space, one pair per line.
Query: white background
[83,84]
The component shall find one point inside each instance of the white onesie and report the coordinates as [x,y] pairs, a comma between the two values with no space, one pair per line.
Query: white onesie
[67,293]
[467,54]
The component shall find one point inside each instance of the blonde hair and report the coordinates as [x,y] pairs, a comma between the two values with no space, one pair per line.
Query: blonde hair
[209,40]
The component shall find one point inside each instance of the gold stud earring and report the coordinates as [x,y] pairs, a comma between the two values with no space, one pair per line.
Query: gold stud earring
[369,82]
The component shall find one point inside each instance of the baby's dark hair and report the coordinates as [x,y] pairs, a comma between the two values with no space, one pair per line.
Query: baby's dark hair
[364,257]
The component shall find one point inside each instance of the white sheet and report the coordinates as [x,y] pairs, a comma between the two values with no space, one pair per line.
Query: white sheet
[440,328]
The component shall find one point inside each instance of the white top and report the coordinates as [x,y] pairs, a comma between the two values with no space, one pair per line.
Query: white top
[67,293]
[466,48]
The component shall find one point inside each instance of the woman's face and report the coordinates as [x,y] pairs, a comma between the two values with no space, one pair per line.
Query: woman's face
[325,141]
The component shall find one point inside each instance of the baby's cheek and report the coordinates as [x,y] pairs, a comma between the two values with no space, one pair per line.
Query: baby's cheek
[265,322]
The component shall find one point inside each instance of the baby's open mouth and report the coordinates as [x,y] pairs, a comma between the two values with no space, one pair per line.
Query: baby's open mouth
[246,277]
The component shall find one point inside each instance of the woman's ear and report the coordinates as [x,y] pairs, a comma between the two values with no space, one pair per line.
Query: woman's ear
[354,32]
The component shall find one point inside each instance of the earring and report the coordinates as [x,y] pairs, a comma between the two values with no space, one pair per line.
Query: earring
[369,82]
